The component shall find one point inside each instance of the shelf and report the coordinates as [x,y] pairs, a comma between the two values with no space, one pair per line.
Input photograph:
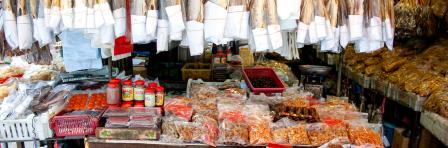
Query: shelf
[391,91]
[436,124]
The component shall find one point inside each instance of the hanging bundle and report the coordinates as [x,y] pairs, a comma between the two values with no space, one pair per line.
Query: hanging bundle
[388,23]
[175,19]
[215,14]
[151,19]
[119,12]
[162,28]
[355,18]
[273,26]
[55,16]
[195,27]
[306,30]
[24,26]
[331,43]
[67,13]
[41,33]
[426,21]
[138,20]
[10,25]
[258,25]
[237,21]
[288,12]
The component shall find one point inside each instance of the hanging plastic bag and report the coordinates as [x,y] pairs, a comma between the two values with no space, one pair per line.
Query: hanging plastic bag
[331,43]
[237,20]
[47,12]
[24,26]
[214,20]
[151,19]
[344,35]
[288,13]
[67,13]
[184,41]
[388,23]
[304,35]
[274,32]
[80,16]
[55,15]
[10,25]
[45,35]
[174,12]
[162,29]
[34,6]
[90,20]
[195,27]
[355,18]
[98,15]
[320,17]
[258,25]
[119,17]
[138,21]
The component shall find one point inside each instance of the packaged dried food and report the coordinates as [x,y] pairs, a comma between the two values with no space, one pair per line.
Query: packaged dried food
[169,129]
[259,133]
[205,108]
[319,133]
[211,129]
[145,111]
[116,111]
[361,134]
[233,133]
[338,127]
[178,108]
[230,111]
[258,120]
[189,131]
[203,91]
[280,130]
[57,96]
[117,122]
[297,135]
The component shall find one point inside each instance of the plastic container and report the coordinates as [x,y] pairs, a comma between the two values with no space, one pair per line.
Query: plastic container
[75,125]
[160,96]
[139,90]
[115,80]
[113,94]
[263,73]
[127,91]
[150,97]
[196,71]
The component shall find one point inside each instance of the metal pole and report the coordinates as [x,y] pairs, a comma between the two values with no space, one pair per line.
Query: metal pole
[341,62]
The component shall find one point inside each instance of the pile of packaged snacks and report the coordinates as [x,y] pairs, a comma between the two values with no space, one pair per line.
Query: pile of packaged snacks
[89,100]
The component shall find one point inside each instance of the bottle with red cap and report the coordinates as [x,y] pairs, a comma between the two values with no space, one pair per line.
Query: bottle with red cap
[153,85]
[150,97]
[160,96]
[127,91]
[139,91]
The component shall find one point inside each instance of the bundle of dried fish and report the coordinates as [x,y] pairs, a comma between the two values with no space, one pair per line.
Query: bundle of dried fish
[151,18]
[90,20]
[119,11]
[80,16]
[356,18]
[41,33]
[237,21]
[138,17]
[306,28]
[388,22]
[55,16]
[331,42]
[162,28]
[103,13]
[288,13]
[195,27]
[258,25]
[215,15]
[275,36]
[175,19]
[24,26]
[426,22]
[320,18]
[57,96]
[343,23]
[406,23]
[67,13]
[10,25]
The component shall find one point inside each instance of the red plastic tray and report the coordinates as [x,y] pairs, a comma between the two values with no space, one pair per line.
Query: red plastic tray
[263,72]
[75,125]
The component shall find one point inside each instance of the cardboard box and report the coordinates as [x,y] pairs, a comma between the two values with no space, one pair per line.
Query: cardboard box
[399,140]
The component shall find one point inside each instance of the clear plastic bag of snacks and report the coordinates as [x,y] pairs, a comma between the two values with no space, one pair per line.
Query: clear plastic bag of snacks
[231,110]
[145,111]
[211,129]
[319,133]
[365,133]
[169,132]
[116,111]
[178,108]
[233,133]
[207,108]
[297,135]
[338,127]
[189,131]
[280,130]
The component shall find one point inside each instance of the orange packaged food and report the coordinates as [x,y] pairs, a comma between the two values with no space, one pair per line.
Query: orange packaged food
[360,135]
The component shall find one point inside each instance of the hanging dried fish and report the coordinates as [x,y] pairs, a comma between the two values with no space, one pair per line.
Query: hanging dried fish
[47,11]
[388,23]
[288,13]
[162,28]
[320,17]
[90,20]
[273,26]
[195,27]
[304,35]
[258,25]
[237,21]
[355,18]
[175,19]
[24,26]
[55,15]
[67,13]
[80,16]
[138,16]
[406,24]
[331,43]
[344,36]
[41,32]
[119,11]
[10,25]
[151,19]
[215,14]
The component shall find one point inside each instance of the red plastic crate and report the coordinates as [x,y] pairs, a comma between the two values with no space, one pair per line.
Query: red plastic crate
[75,125]
[263,72]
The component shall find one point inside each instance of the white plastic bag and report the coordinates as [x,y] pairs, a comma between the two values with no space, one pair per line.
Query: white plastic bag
[162,35]
[98,15]
[151,24]
[138,29]
[67,13]
[25,32]
[120,22]
[80,16]
[10,27]
[195,35]
[55,16]
[175,19]
[214,22]
[288,12]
